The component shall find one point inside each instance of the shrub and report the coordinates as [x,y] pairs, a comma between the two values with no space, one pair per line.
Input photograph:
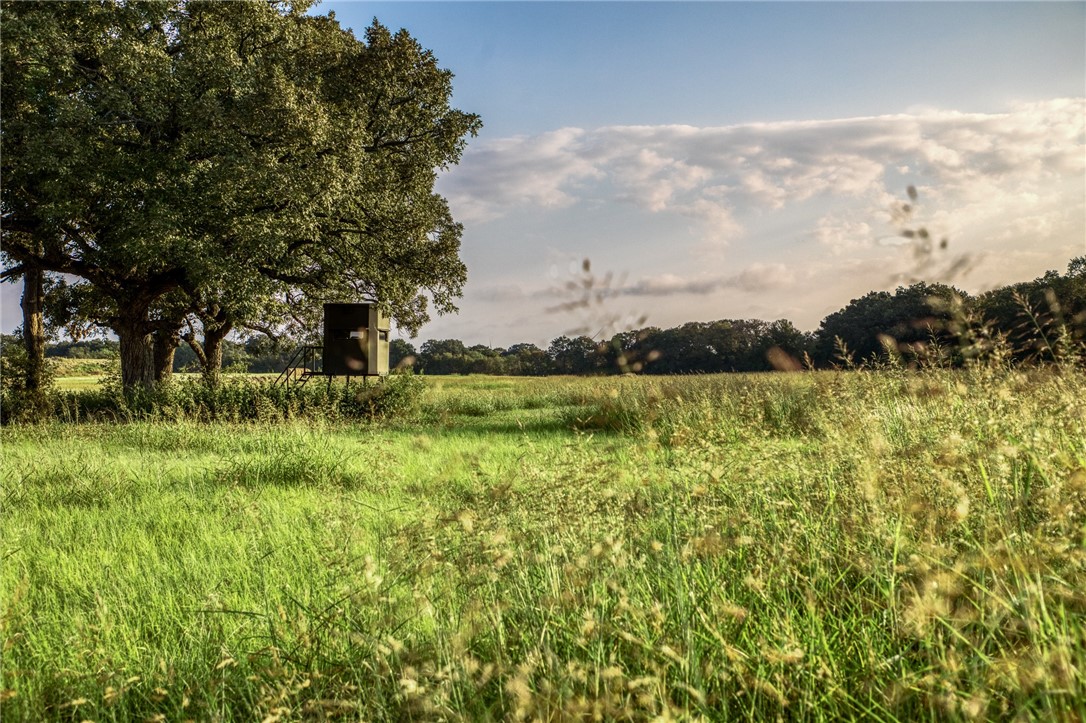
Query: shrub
[392,396]
[234,400]
[18,403]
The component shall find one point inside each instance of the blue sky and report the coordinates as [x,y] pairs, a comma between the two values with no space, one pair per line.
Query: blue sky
[739,160]
[535,66]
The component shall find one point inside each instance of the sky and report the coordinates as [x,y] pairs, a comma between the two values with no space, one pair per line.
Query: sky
[740,160]
[733,160]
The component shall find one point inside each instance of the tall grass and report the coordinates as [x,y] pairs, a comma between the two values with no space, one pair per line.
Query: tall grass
[239,399]
[868,545]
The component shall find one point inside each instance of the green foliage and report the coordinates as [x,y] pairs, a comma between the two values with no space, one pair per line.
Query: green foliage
[526,360]
[222,163]
[236,399]
[20,403]
[917,314]
[397,395]
[707,347]
[401,354]
[1043,319]
[264,354]
[84,349]
[82,367]
[579,355]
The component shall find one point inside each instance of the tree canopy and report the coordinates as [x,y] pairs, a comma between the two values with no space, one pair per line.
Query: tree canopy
[215,159]
[912,315]
[1039,317]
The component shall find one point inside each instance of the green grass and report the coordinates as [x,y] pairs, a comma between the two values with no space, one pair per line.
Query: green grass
[886,546]
[66,369]
[77,381]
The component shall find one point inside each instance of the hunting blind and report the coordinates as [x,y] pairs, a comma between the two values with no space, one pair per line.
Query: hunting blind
[355,340]
[355,345]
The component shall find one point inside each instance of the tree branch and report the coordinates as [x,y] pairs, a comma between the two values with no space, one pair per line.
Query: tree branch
[13,272]
[265,330]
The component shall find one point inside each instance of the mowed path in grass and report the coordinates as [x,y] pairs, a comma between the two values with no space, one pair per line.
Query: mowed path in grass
[720,546]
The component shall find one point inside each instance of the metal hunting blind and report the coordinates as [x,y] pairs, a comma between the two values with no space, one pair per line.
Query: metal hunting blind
[355,340]
[355,345]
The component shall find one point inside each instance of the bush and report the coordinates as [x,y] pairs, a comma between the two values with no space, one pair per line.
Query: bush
[392,396]
[19,403]
[234,400]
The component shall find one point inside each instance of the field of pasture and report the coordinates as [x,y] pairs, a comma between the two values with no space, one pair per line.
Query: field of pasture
[884,545]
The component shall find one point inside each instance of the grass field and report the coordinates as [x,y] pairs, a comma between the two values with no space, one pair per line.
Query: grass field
[868,545]
[98,371]
[67,370]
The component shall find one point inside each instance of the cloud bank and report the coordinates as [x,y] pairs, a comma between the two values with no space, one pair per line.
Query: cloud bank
[1014,172]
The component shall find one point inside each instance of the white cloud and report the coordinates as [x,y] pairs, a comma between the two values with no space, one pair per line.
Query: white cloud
[763,277]
[668,284]
[498,176]
[975,170]
[1007,190]
[716,218]
[755,278]
[840,233]
[497,293]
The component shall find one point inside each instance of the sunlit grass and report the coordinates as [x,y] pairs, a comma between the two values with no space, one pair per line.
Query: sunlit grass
[76,382]
[887,545]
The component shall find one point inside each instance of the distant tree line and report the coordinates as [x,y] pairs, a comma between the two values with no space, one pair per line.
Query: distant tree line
[1037,320]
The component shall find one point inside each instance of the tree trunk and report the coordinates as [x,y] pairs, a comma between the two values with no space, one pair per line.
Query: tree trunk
[34,327]
[213,339]
[165,346]
[209,352]
[137,351]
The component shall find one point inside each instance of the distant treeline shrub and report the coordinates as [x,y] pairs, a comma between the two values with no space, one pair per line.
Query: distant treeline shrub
[920,324]
[96,348]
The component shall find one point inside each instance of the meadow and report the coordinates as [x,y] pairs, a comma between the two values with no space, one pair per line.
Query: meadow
[878,545]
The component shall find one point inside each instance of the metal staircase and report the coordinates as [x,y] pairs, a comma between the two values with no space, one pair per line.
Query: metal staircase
[305,363]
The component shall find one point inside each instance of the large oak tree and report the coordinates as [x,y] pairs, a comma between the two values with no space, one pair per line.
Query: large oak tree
[209,158]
